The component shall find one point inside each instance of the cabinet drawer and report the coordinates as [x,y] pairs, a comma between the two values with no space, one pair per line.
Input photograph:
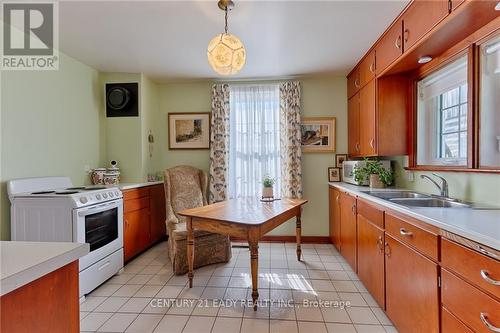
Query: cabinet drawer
[475,308]
[451,324]
[422,240]
[135,204]
[477,268]
[371,213]
[136,193]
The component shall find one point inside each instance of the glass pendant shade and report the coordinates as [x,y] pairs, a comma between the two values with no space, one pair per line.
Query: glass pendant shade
[226,54]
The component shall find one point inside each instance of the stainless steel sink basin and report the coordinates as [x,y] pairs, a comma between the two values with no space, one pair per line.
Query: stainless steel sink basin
[429,202]
[388,195]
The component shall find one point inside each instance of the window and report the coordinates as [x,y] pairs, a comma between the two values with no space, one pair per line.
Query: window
[442,109]
[254,139]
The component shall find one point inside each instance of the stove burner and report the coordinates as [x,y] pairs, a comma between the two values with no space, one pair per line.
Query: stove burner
[76,188]
[43,192]
[66,192]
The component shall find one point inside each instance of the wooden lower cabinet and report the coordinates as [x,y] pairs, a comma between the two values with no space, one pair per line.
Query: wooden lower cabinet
[451,324]
[348,228]
[412,292]
[334,216]
[371,258]
[143,219]
[47,304]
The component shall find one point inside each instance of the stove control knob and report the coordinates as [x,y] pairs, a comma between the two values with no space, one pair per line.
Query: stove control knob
[111,194]
[84,200]
[98,196]
[105,195]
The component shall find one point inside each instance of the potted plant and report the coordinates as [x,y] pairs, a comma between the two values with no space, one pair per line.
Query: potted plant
[375,173]
[267,190]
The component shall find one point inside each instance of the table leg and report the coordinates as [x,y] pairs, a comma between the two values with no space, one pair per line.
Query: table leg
[298,235]
[190,249]
[254,262]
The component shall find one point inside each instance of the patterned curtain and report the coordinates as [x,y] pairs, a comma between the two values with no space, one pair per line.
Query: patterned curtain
[291,168]
[219,143]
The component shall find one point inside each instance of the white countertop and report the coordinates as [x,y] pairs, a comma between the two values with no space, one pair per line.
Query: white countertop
[128,186]
[24,262]
[479,225]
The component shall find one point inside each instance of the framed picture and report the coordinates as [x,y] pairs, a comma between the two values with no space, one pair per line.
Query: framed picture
[189,130]
[339,160]
[333,174]
[318,135]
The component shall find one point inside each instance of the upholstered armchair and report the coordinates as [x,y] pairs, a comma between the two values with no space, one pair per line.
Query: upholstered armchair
[186,187]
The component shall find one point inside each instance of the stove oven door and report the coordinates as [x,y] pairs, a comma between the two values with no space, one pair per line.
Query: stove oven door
[102,227]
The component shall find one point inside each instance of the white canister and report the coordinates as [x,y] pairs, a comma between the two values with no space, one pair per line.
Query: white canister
[97,176]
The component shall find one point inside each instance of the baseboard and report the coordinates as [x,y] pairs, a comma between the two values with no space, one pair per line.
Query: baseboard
[290,239]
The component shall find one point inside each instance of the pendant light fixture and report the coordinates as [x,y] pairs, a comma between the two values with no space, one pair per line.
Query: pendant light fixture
[226,53]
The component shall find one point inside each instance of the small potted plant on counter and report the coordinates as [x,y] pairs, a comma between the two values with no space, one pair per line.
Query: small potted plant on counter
[267,190]
[375,173]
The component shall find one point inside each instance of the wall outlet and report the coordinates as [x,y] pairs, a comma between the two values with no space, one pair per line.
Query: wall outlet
[410,175]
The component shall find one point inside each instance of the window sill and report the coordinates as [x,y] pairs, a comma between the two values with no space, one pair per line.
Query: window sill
[450,169]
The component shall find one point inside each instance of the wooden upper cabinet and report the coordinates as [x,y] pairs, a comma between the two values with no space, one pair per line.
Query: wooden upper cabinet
[420,18]
[367,120]
[353,126]
[353,83]
[348,228]
[367,69]
[390,46]
[334,198]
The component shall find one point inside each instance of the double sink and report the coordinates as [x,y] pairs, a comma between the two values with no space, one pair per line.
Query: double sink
[415,199]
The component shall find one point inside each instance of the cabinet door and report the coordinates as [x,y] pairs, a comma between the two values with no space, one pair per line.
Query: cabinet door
[353,83]
[334,205]
[367,120]
[411,288]
[157,207]
[367,69]
[456,3]
[136,232]
[353,125]
[390,47]
[348,228]
[420,18]
[371,258]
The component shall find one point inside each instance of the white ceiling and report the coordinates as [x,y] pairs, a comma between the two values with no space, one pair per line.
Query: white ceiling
[167,40]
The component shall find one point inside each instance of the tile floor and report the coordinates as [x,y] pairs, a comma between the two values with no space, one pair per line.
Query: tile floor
[147,297]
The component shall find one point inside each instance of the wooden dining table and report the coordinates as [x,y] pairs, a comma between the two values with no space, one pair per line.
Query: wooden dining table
[242,218]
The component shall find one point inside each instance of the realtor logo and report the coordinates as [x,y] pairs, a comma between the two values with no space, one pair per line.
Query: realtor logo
[30,36]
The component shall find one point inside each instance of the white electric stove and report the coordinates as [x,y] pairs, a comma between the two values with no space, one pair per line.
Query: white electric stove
[52,209]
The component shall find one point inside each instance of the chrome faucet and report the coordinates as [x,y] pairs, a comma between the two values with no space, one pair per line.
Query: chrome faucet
[443,188]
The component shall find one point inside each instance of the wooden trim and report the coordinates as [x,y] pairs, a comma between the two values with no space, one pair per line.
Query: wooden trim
[289,239]
[449,169]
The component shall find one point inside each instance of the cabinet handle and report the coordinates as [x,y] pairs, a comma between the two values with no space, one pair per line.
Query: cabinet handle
[357,146]
[486,277]
[380,244]
[353,209]
[356,83]
[397,43]
[406,34]
[491,327]
[337,198]
[372,67]
[486,252]
[372,141]
[387,249]
[404,232]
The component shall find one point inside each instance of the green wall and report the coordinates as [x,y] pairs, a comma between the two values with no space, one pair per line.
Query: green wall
[51,125]
[475,187]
